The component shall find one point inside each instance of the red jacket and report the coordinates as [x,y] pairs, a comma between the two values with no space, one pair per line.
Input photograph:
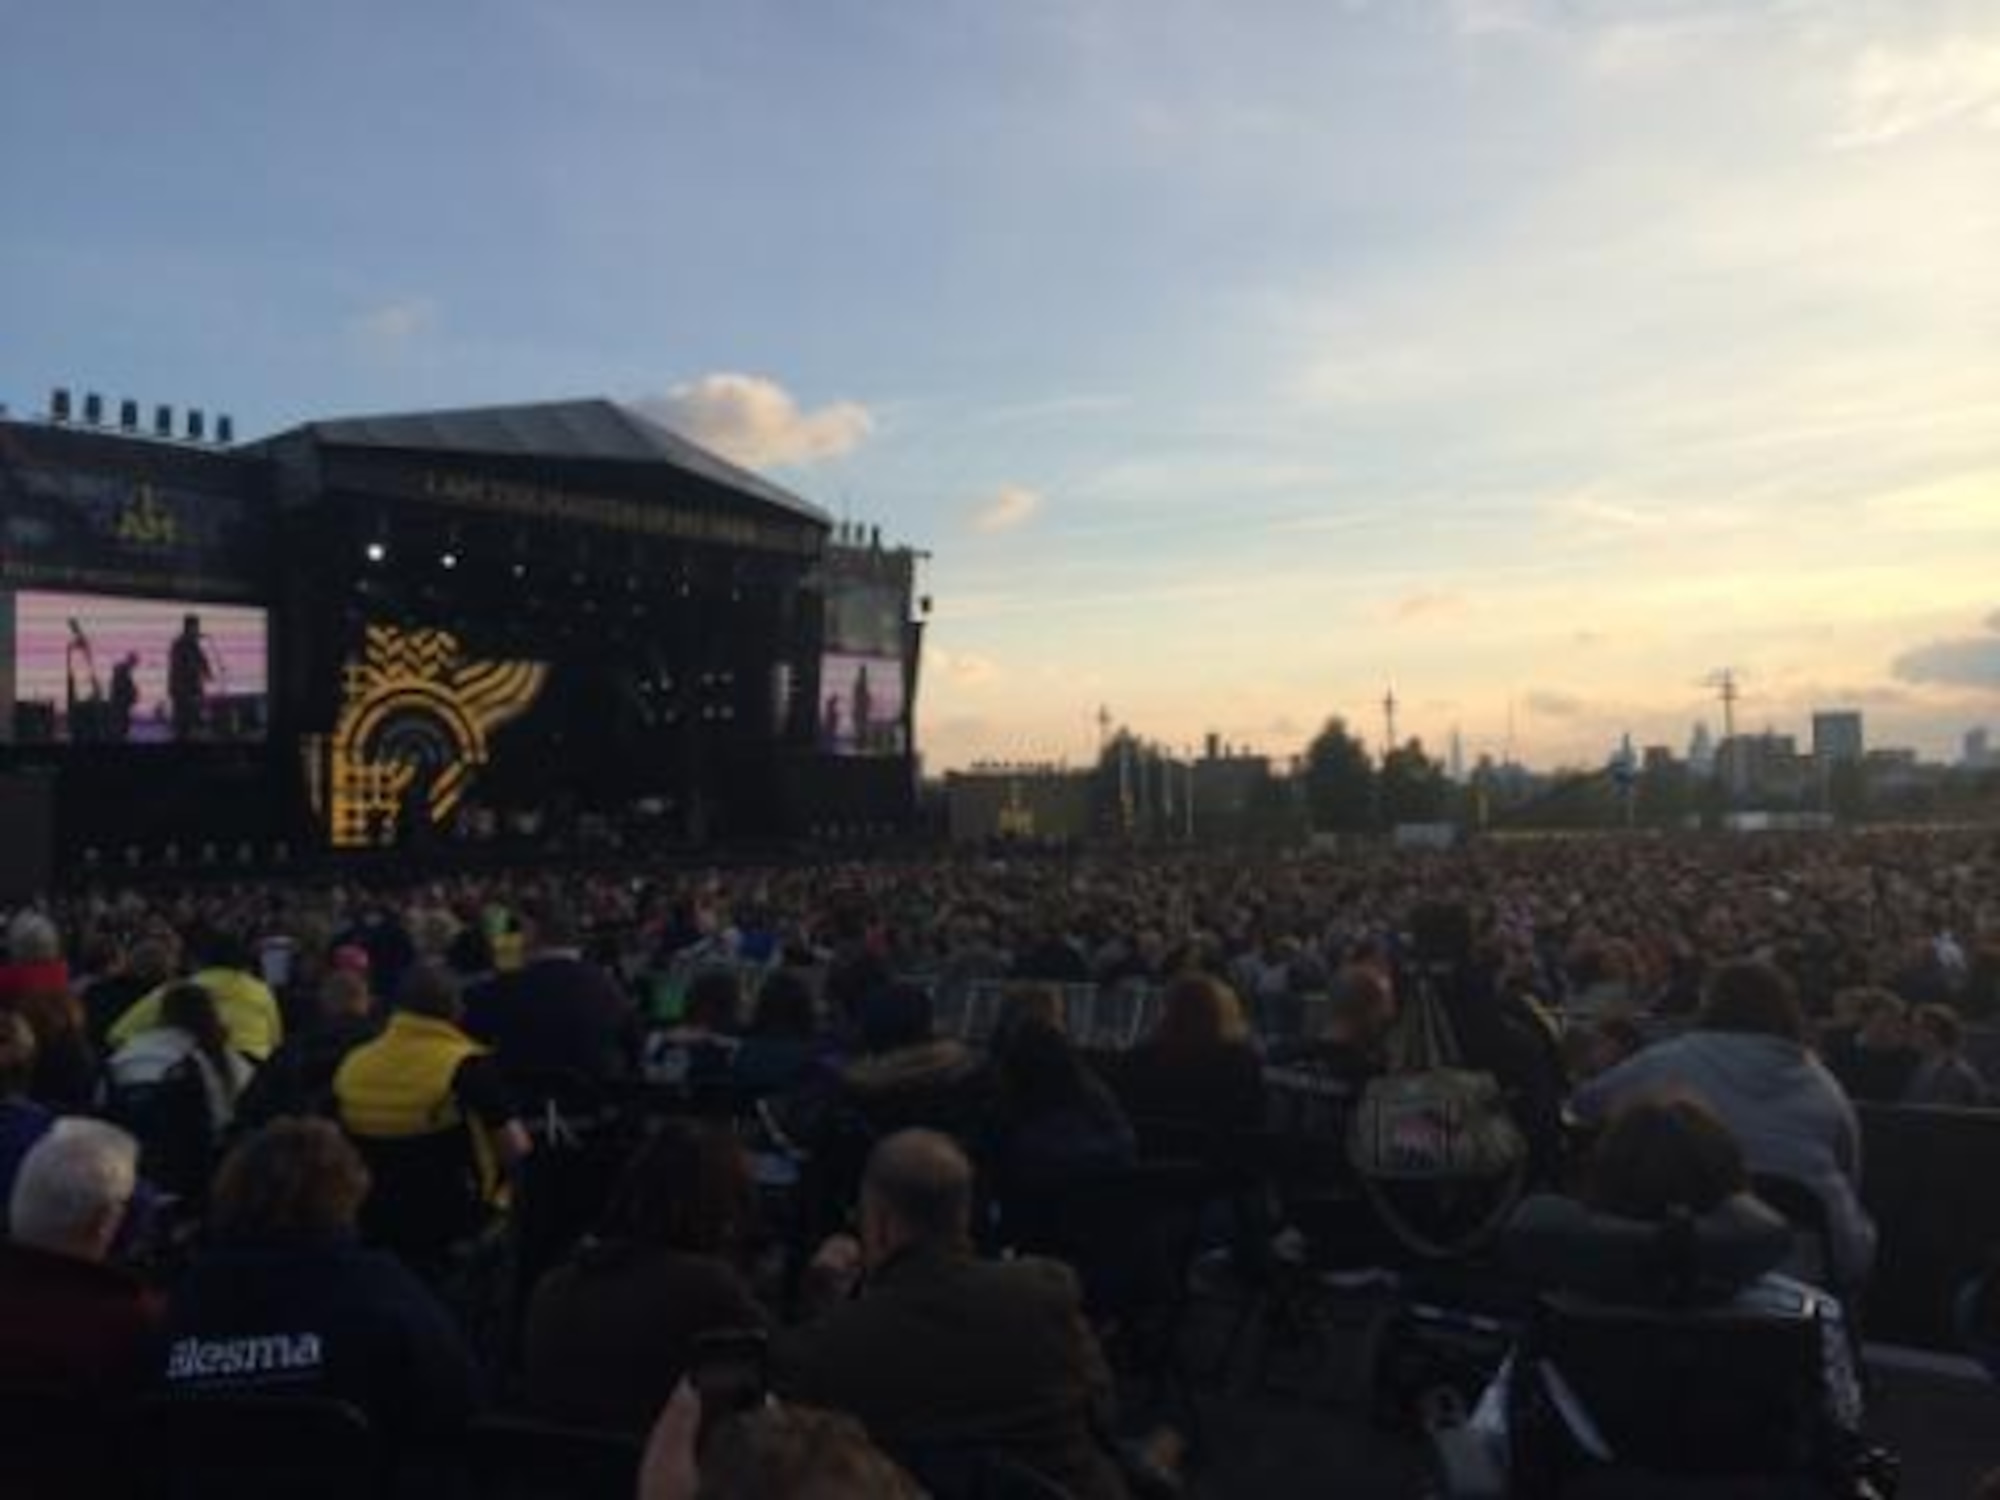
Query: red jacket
[17,980]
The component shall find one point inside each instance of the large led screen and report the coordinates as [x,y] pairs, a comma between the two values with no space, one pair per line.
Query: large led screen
[90,669]
[861,707]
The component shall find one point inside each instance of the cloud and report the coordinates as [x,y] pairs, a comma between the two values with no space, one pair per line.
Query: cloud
[1010,506]
[390,327]
[1421,605]
[1968,661]
[1545,703]
[757,422]
[963,668]
[1894,93]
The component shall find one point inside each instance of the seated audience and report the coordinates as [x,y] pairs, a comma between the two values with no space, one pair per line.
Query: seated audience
[69,1320]
[186,1038]
[132,974]
[782,1049]
[284,1298]
[700,1050]
[1747,1061]
[777,1452]
[248,1009]
[1872,1057]
[609,1332]
[906,1075]
[297,1079]
[34,959]
[558,1011]
[23,1121]
[940,1353]
[423,1078]
[1662,1157]
[1055,1119]
[1312,1083]
[1198,1067]
[1944,1076]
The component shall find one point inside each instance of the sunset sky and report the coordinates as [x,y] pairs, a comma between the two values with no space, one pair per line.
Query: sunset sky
[1234,358]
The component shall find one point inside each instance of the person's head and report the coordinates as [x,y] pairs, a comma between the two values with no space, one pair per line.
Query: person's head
[429,990]
[1199,1013]
[218,948]
[1611,1040]
[17,1054]
[73,1187]
[1659,1156]
[1363,1006]
[714,1000]
[294,1179]
[1881,1019]
[689,1188]
[784,1007]
[1026,1005]
[1936,1031]
[344,996]
[1751,997]
[552,924]
[916,1193]
[787,1452]
[1039,1071]
[897,1017]
[151,961]
[32,939]
[191,1008]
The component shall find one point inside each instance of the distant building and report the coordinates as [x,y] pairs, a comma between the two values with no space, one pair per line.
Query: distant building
[1979,753]
[1701,751]
[1765,768]
[1837,738]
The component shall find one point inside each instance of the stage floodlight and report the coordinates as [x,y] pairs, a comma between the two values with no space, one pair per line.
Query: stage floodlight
[59,404]
[376,552]
[448,560]
[128,415]
[93,409]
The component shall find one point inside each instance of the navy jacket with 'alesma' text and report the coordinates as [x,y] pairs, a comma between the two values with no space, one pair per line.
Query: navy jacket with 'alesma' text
[321,1317]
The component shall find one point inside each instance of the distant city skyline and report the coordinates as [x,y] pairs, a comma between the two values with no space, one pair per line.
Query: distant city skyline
[1536,357]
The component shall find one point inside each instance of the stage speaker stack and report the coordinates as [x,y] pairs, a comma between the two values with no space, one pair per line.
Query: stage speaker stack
[27,836]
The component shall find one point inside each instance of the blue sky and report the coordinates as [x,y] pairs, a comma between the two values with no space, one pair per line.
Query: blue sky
[1233,359]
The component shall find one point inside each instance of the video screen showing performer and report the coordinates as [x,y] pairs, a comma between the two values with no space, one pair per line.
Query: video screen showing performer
[91,669]
[862,710]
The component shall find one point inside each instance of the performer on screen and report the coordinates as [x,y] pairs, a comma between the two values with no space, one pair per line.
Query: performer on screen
[864,710]
[189,672]
[124,696]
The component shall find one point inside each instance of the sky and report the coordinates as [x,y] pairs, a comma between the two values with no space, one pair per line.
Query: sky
[1234,360]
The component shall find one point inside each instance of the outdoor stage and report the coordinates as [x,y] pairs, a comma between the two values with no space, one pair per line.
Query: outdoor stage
[440,629]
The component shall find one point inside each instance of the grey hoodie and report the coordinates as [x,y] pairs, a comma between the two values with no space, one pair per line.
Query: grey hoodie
[1785,1110]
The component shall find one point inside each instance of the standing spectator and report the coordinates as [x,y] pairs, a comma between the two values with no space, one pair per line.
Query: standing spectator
[34,960]
[286,1300]
[782,1047]
[558,1011]
[1872,1057]
[188,1036]
[1198,1068]
[72,1321]
[943,1354]
[1748,1062]
[1944,1075]
[133,974]
[609,1334]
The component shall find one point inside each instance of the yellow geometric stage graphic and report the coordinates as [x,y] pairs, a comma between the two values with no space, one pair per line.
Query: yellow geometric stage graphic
[414,706]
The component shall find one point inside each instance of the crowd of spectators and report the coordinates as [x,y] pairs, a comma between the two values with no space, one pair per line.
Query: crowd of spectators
[274,1136]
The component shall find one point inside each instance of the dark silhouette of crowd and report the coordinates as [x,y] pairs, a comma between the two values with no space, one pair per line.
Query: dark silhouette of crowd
[855,1171]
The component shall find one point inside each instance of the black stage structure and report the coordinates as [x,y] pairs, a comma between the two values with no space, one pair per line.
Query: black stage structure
[501,625]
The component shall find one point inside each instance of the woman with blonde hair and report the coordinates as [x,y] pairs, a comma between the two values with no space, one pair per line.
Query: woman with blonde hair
[1198,1068]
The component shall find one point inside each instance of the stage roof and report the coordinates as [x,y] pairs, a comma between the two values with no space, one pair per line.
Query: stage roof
[592,430]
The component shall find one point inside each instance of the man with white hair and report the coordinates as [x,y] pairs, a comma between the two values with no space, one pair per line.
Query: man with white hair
[73,1322]
[34,960]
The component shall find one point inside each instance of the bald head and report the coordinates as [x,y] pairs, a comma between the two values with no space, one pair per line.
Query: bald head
[917,1191]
